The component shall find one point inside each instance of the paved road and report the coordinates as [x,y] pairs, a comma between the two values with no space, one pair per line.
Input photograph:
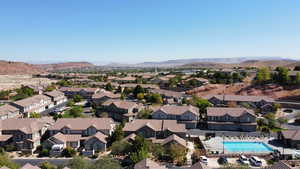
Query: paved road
[36,161]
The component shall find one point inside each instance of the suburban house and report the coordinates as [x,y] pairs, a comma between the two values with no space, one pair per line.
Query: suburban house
[57,97]
[37,103]
[127,79]
[25,133]
[133,85]
[231,119]
[150,128]
[82,126]
[169,96]
[104,96]
[121,110]
[86,93]
[290,138]
[173,139]
[263,102]
[8,111]
[189,115]
[29,166]
[199,165]
[89,133]
[148,164]
[285,164]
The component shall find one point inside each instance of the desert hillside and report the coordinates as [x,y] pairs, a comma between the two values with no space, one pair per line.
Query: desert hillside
[18,68]
[65,65]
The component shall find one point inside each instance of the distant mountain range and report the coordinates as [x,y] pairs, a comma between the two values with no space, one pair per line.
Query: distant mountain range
[234,60]
[9,67]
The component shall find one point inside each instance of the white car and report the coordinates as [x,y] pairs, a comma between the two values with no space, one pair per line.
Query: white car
[204,159]
[255,161]
[244,160]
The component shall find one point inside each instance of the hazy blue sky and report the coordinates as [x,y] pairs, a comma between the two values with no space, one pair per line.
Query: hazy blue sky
[147,30]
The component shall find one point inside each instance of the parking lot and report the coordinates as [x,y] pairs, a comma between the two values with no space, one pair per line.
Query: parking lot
[213,162]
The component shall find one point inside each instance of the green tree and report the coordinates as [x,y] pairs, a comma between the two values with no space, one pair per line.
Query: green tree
[138,89]
[23,92]
[69,152]
[154,98]
[70,103]
[79,163]
[4,95]
[50,88]
[282,76]
[202,104]
[35,115]
[144,114]
[76,111]
[117,135]
[140,96]
[176,154]
[120,148]
[109,87]
[263,76]
[140,149]
[47,165]
[106,163]
[77,98]
[6,161]
[298,78]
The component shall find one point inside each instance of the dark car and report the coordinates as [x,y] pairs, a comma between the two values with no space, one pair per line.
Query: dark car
[222,160]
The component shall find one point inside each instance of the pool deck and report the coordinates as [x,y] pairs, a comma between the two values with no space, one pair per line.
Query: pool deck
[215,145]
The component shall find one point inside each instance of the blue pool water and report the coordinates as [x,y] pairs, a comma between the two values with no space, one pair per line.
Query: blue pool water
[258,147]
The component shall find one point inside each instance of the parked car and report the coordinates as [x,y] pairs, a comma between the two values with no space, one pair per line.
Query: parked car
[223,160]
[204,159]
[244,160]
[255,161]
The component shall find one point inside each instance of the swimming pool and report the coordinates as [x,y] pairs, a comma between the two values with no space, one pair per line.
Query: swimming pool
[256,147]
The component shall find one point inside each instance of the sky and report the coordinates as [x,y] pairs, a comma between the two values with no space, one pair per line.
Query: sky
[132,31]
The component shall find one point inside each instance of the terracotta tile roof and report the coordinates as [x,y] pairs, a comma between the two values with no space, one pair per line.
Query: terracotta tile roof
[175,138]
[83,123]
[5,137]
[241,98]
[168,93]
[282,165]
[29,166]
[26,125]
[291,134]
[234,112]
[148,164]
[73,89]
[156,125]
[199,165]
[128,78]
[178,110]
[67,137]
[54,93]
[123,104]
[7,109]
[100,136]
[32,100]
[130,137]
[106,94]
[133,85]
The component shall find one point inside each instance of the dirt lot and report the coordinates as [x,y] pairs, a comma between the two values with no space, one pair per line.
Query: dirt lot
[15,81]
